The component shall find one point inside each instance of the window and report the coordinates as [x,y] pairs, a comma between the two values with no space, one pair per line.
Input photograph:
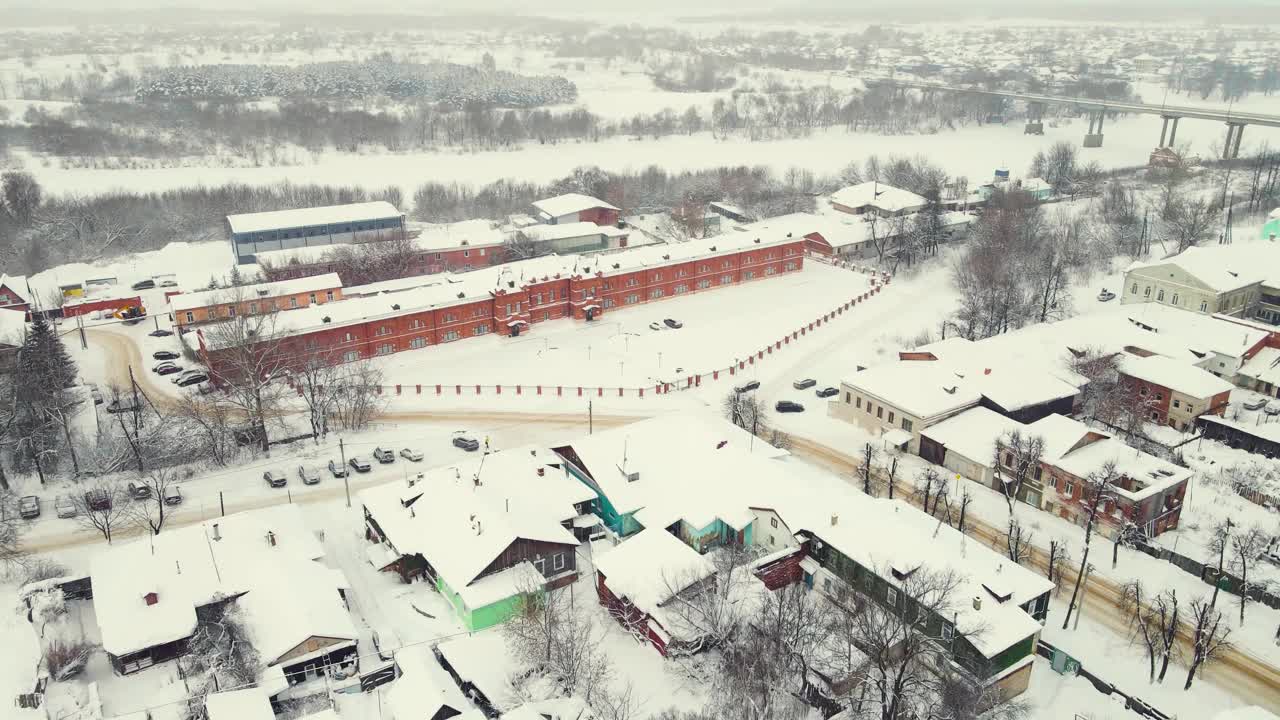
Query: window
[790,266]
[478,312]
[631,299]
[1039,471]
[541,565]
[1008,459]
[891,596]
[880,412]
[1155,416]
[231,311]
[348,337]
[631,282]
[947,631]
[1177,403]
[557,562]
[681,288]
[868,407]
[293,302]
[1175,299]
[449,336]
[657,277]
[906,424]
[608,303]
[748,275]
[253,308]
[328,296]
[482,328]
[418,343]
[450,317]
[385,349]
[726,279]
[857,403]
[773,522]
[415,323]
[827,587]
[383,330]
[1204,306]
[1134,290]
[351,356]
[890,417]
[769,271]
[655,293]
[1070,488]
[1159,397]
[1160,295]
[1146,292]
[191,317]
[704,284]
[311,298]
[466,253]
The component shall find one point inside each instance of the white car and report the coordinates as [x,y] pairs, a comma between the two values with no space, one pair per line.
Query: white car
[411,455]
[1272,408]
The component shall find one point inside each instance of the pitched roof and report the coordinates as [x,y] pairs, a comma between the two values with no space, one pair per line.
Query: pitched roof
[1221,267]
[1179,377]
[652,567]
[250,704]
[972,433]
[924,389]
[13,327]
[570,203]
[259,291]
[17,284]
[878,195]
[312,216]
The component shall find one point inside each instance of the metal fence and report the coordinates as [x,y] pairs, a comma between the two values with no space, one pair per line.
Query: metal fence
[1064,663]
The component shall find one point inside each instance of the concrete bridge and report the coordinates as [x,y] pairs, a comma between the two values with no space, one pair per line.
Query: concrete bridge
[1098,109]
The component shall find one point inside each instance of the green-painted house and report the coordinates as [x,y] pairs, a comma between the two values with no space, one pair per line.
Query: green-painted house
[1271,229]
[485,533]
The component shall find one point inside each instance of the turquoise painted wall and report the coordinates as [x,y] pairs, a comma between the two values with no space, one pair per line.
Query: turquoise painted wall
[481,617]
[622,524]
[1271,228]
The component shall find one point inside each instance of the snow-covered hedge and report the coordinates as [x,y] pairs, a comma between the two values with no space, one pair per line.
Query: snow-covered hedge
[454,85]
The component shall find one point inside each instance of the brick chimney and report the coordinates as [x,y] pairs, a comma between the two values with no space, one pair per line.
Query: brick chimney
[151,598]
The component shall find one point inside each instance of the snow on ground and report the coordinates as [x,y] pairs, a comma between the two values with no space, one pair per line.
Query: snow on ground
[974,152]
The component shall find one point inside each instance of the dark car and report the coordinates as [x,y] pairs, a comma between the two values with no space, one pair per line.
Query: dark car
[336,469]
[139,491]
[673,324]
[804,384]
[828,392]
[747,387]
[275,479]
[98,499]
[193,379]
[168,369]
[29,507]
[469,444]
[173,495]
[360,464]
[160,333]
[787,406]
[384,456]
[308,477]
[165,355]
[144,284]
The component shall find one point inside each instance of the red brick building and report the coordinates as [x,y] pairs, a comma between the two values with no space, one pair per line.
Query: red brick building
[13,293]
[1175,393]
[574,208]
[511,298]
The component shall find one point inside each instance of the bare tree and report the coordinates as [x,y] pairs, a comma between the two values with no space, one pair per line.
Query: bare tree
[221,651]
[1246,546]
[249,361]
[1167,616]
[1209,638]
[1189,222]
[103,506]
[10,554]
[317,383]
[1143,624]
[211,421]
[550,633]
[709,611]
[1059,557]
[1016,460]
[865,469]
[1220,543]
[1099,487]
[930,485]
[1127,535]
[965,499]
[357,395]
[1018,541]
[151,512]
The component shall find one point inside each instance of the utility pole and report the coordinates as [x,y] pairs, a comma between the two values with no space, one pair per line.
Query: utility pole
[137,409]
[84,343]
[591,423]
[222,505]
[346,472]
[1084,588]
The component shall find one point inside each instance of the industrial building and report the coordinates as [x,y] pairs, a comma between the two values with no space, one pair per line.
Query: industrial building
[252,233]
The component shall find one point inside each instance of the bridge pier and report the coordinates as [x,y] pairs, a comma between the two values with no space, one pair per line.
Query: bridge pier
[1035,119]
[1166,127]
[1231,148]
[1093,138]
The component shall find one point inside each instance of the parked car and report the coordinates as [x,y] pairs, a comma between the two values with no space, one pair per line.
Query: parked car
[384,650]
[673,324]
[787,406]
[117,406]
[655,326]
[1255,404]
[97,499]
[828,392]
[804,384]
[411,455]
[308,477]
[747,386]
[193,379]
[1272,408]
[383,455]
[139,491]
[275,478]
[29,507]
[360,464]
[1106,295]
[173,495]
[337,469]
[65,507]
[95,393]
[160,333]
[168,283]
[165,355]
[469,444]
[187,373]
[144,284]
[168,369]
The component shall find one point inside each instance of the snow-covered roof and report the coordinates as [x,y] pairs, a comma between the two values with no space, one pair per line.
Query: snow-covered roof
[460,526]
[250,704]
[17,284]
[1266,431]
[483,660]
[1264,366]
[310,217]
[1177,376]
[673,467]
[1060,434]
[652,567]
[569,203]
[1253,712]
[267,553]
[547,233]
[1149,472]
[1194,331]
[924,389]
[423,688]
[13,327]
[735,210]
[1222,268]
[467,233]
[1010,380]
[878,195]
[973,433]
[260,291]
[1035,185]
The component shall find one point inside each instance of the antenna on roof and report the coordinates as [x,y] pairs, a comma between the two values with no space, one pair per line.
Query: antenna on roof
[625,442]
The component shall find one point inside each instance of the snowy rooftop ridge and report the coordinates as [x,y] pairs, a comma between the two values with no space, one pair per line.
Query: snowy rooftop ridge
[260,291]
[312,216]
[1222,268]
[543,233]
[17,284]
[878,195]
[1178,377]
[569,203]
